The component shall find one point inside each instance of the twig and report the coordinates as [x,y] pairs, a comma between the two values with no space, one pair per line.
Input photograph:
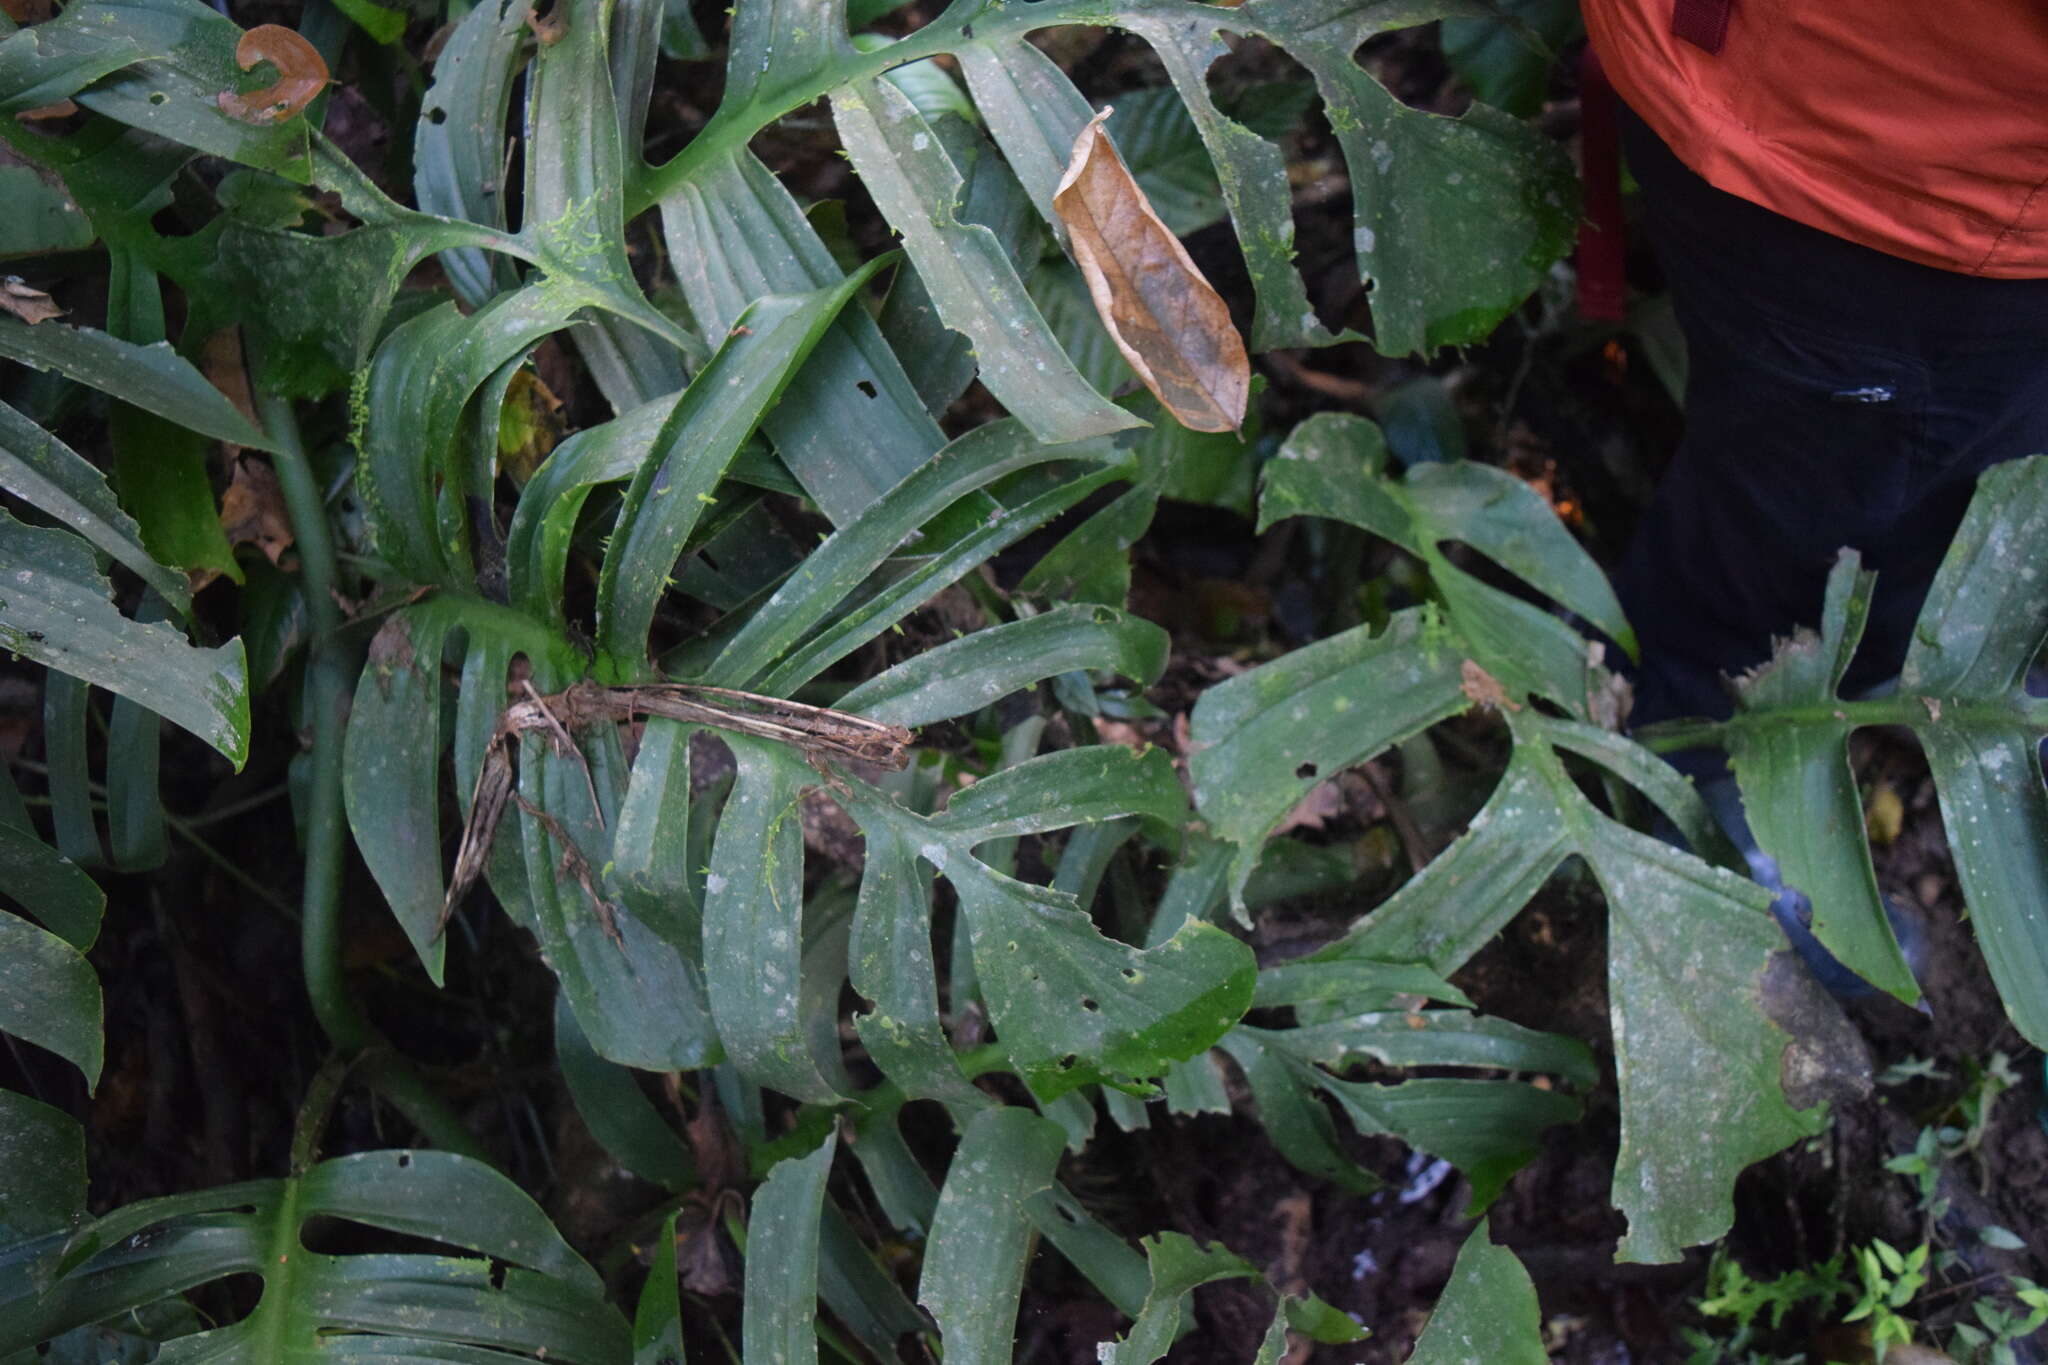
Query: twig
[1412,843]
[818,732]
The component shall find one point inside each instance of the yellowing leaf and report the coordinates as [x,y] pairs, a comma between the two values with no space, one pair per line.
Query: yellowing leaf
[1169,322]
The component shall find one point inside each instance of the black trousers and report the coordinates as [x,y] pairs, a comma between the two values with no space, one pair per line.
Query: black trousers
[1836,396]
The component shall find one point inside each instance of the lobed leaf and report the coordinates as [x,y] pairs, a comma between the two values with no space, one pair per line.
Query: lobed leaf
[1487,1312]
[54,610]
[974,1259]
[969,275]
[782,1261]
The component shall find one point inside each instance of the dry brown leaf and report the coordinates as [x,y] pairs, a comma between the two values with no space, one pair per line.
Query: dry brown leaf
[301,75]
[1324,803]
[221,360]
[30,305]
[1484,689]
[252,511]
[1169,322]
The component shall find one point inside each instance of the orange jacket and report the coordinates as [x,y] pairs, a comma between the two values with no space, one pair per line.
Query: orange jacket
[1919,127]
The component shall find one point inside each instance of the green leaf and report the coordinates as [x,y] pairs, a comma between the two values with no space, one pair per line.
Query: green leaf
[972,282]
[1033,112]
[1070,1005]
[415,475]
[1357,983]
[391,776]
[1334,465]
[153,378]
[51,61]
[860,1293]
[978,670]
[165,64]
[780,43]
[458,143]
[1162,146]
[974,1260]
[43,1152]
[1487,1312]
[658,1321]
[384,25]
[939,360]
[48,475]
[782,1260]
[1985,619]
[635,994]
[1177,1267]
[619,1115]
[538,1298]
[892,964]
[1411,1038]
[1487,1129]
[753,923]
[1688,947]
[1693,1052]
[712,418]
[1251,176]
[50,887]
[45,218]
[1264,738]
[734,234]
[1507,60]
[1457,219]
[49,995]
[980,541]
[1084,786]
[1293,1116]
[54,610]
[838,566]
[1468,893]
[1799,789]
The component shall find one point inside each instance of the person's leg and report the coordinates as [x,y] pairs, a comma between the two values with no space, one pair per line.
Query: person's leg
[1836,397]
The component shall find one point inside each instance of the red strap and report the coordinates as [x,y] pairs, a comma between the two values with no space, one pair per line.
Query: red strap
[1603,245]
[1703,23]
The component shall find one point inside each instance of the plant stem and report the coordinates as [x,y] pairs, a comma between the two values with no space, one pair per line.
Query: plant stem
[329,682]
[1911,711]
[730,129]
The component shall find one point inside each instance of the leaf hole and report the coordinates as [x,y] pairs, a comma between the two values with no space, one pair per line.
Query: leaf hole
[1067,1062]
[868,388]
[498,1269]
[1132,975]
[1305,771]
[437,116]
[404,1160]
[159,97]
[1089,1005]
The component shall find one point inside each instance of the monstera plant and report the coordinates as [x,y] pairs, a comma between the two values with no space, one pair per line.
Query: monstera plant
[526,676]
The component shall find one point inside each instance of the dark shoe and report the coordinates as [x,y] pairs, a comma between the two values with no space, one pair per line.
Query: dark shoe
[1792,909]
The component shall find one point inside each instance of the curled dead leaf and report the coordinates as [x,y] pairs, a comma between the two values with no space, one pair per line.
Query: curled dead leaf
[1169,322]
[252,511]
[30,305]
[301,75]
